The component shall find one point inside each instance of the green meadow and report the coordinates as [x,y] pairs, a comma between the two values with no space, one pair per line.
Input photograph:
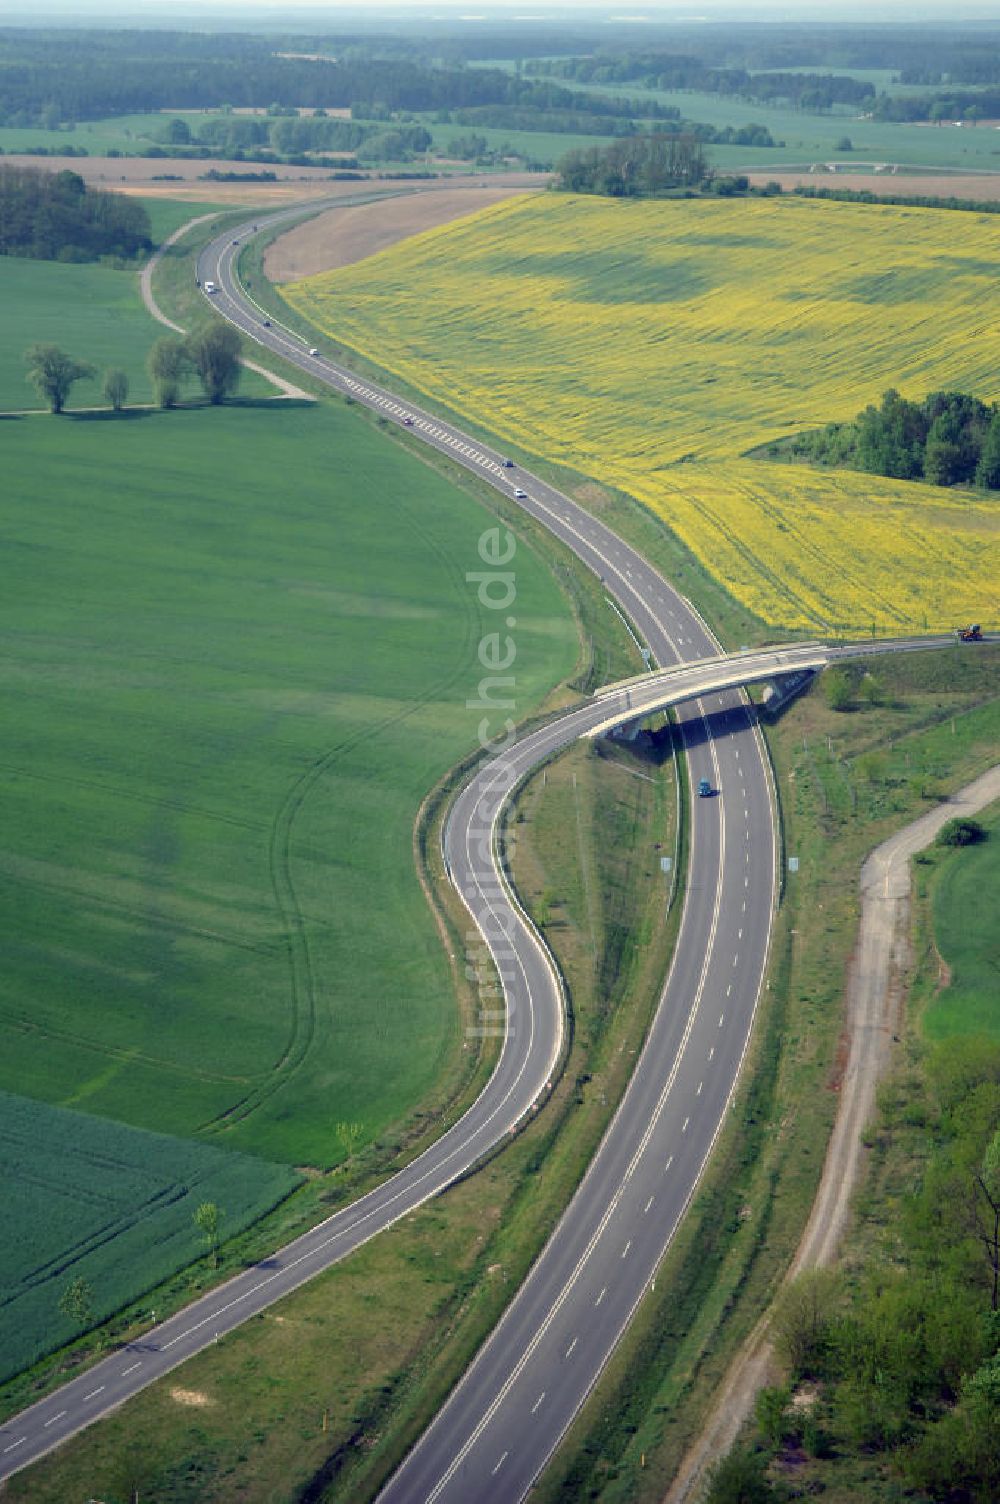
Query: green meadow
[811,138]
[964,915]
[93,312]
[127,134]
[92,1200]
[240,643]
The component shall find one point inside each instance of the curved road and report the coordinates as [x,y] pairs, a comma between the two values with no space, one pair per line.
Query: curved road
[508,1413]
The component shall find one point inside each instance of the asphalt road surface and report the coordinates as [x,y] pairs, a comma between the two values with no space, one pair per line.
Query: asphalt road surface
[508,1413]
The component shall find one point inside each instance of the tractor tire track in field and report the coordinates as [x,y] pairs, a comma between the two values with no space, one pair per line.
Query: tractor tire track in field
[180,806]
[303,993]
[140,916]
[125,1055]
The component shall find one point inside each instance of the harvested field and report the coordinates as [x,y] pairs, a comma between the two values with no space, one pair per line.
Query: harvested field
[978,185]
[182,178]
[146,175]
[346,235]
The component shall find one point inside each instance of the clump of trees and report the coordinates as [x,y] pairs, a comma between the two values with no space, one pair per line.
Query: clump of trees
[636,167]
[212,353]
[948,439]
[54,216]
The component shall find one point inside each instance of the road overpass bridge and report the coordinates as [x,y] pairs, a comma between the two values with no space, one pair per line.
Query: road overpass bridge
[634,699]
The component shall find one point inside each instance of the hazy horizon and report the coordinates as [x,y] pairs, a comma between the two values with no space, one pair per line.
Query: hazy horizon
[234,14]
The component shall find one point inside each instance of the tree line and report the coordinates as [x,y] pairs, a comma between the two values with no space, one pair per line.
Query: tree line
[54,216]
[913,200]
[668,71]
[947,439]
[212,354]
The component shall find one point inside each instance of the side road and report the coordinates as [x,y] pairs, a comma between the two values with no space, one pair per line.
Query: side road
[874,1001]
[286,388]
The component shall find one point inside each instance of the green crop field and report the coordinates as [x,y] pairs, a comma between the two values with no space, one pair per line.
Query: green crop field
[240,643]
[965,931]
[114,1206]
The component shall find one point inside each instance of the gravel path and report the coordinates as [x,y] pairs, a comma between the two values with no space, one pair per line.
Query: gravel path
[874,1004]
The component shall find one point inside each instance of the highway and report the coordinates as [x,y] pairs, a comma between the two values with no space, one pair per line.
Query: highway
[507,1415]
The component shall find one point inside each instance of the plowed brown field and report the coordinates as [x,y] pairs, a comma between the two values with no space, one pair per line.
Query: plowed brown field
[350,234]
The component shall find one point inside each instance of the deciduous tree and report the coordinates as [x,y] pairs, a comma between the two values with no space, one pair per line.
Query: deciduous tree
[207,1219]
[167,365]
[214,353]
[52,373]
[116,389]
[77,1302]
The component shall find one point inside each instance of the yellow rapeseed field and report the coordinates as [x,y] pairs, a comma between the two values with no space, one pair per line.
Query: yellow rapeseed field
[650,345]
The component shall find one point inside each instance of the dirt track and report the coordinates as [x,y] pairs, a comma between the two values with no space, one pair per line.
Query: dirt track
[874,1005]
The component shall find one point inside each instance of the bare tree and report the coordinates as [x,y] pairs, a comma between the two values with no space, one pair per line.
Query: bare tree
[984,1213]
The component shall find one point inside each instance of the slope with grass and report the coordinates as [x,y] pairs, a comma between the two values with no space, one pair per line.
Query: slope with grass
[649,345]
[241,643]
[965,887]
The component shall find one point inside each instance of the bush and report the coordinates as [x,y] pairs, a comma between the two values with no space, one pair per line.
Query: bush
[739,1478]
[961,832]
[838,686]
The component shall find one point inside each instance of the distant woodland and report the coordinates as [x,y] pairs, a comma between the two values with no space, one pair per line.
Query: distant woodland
[54,216]
[113,73]
[50,77]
